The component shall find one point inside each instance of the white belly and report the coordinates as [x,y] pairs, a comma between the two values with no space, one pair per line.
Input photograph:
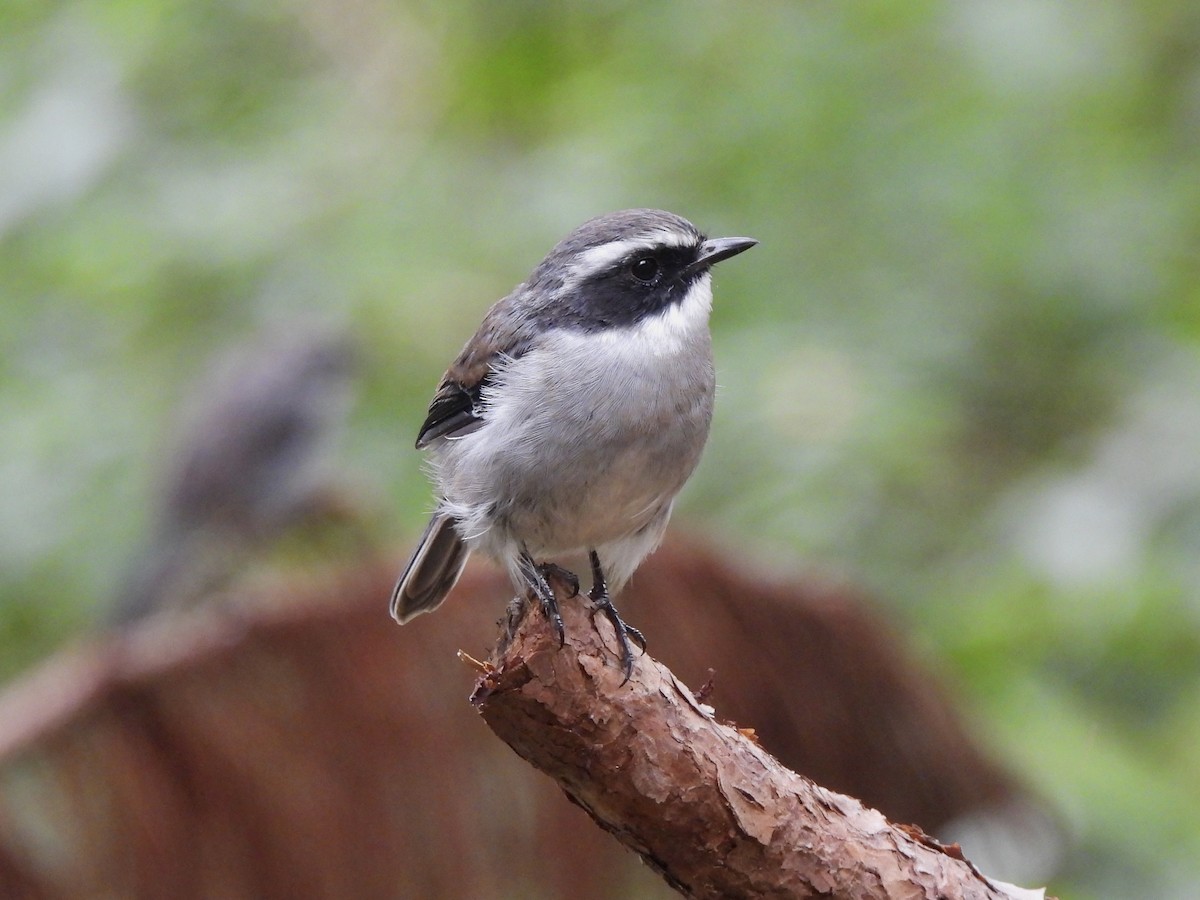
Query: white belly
[586,439]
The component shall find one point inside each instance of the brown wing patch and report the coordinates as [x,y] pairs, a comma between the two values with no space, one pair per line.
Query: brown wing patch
[458,404]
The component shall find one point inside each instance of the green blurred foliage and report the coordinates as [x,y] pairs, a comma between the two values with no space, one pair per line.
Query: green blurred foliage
[961,366]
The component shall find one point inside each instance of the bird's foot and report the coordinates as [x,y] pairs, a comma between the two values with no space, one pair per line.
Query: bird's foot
[623,631]
[603,603]
[541,590]
[554,572]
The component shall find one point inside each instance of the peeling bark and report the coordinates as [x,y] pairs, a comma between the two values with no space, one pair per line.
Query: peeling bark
[707,808]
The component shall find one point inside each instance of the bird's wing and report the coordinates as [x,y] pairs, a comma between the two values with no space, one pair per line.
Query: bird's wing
[455,410]
[459,404]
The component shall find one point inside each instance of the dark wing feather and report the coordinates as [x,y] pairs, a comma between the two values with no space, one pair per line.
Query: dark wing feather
[459,403]
[456,409]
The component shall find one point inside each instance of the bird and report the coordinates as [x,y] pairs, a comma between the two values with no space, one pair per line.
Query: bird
[572,418]
[251,461]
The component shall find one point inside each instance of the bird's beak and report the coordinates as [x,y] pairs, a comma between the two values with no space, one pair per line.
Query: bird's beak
[717,249]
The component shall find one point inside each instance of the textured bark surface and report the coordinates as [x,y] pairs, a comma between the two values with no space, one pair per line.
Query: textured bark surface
[699,800]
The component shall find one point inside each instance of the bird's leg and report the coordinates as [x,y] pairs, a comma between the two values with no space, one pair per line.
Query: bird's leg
[536,581]
[599,596]
[554,571]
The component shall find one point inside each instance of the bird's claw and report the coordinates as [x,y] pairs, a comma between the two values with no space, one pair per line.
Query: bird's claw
[623,632]
[566,577]
[535,577]
[549,604]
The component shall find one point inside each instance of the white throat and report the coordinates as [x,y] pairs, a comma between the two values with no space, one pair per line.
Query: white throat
[668,332]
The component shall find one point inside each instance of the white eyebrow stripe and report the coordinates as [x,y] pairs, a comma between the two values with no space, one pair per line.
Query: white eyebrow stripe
[597,259]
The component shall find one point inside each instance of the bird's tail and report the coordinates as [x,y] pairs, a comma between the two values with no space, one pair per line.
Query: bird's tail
[433,570]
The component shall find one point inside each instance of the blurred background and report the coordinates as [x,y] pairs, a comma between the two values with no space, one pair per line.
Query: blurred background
[961,369]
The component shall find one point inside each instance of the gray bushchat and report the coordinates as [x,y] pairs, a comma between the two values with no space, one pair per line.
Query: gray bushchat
[573,417]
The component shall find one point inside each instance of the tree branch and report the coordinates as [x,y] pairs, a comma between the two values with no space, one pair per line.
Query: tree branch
[698,800]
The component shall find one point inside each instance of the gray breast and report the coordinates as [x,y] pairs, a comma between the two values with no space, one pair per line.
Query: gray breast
[585,438]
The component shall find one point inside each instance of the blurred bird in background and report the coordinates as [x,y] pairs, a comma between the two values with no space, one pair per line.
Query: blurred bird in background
[251,460]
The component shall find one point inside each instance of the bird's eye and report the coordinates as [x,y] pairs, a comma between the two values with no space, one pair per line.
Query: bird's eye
[644,268]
